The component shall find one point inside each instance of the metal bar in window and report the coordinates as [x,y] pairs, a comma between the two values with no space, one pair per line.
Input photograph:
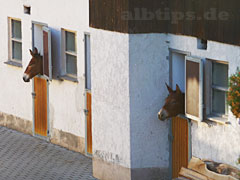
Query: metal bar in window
[71,53]
[220,88]
[17,40]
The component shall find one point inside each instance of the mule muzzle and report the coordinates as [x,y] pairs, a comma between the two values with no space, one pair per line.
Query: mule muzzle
[26,78]
[162,115]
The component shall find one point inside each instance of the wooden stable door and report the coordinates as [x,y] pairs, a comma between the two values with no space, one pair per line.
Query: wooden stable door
[89,122]
[180,150]
[40,107]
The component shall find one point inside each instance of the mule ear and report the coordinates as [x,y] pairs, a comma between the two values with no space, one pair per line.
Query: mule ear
[31,52]
[35,51]
[178,89]
[169,89]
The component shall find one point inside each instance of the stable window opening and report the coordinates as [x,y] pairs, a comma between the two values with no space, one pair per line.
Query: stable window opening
[27,10]
[69,55]
[15,40]
[202,44]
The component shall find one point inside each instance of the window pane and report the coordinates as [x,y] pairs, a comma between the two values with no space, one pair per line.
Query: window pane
[16,50]
[71,64]
[16,29]
[70,41]
[219,102]
[220,74]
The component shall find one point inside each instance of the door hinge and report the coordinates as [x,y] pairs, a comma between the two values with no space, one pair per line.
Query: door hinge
[86,112]
[33,94]
[170,137]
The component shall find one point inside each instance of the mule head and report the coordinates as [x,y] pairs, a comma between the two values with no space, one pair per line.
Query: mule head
[174,104]
[34,67]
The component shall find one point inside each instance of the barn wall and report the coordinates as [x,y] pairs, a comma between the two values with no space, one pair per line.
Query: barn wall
[110,104]
[15,96]
[219,142]
[149,137]
[66,99]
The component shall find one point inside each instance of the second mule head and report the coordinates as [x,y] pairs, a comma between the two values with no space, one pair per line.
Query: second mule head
[34,67]
[174,104]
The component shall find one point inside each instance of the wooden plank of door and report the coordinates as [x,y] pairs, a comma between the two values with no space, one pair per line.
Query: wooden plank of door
[179,145]
[40,106]
[89,123]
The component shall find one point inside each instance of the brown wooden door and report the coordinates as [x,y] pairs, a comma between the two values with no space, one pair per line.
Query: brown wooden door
[89,122]
[40,107]
[179,145]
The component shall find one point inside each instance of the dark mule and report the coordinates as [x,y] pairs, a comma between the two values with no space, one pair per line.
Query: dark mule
[35,66]
[174,104]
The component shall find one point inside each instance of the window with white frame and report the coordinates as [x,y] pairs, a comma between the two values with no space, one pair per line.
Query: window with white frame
[219,88]
[215,90]
[70,53]
[15,40]
[206,84]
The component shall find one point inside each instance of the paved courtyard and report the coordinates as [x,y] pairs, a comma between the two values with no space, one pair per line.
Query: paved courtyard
[25,157]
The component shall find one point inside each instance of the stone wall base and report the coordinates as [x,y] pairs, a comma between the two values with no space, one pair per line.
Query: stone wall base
[67,140]
[110,171]
[16,123]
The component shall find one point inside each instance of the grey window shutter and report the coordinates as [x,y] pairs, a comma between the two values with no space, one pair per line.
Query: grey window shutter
[47,56]
[194,88]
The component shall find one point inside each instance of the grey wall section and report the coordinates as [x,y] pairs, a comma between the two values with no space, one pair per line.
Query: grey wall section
[148,72]
[128,90]
[110,97]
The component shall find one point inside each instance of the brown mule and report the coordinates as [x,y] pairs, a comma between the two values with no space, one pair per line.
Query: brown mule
[174,104]
[35,66]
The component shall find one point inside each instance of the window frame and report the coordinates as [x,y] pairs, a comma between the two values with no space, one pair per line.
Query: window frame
[214,116]
[11,60]
[219,88]
[64,74]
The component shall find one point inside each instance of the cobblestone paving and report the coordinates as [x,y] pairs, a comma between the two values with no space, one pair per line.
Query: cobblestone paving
[23,157]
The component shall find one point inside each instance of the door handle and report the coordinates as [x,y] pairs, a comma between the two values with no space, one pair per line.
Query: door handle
[86,112]
[170,137]
[34,95]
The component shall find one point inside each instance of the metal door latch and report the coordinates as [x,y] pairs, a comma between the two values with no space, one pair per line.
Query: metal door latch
[33,94]
[86,112]
[170,137]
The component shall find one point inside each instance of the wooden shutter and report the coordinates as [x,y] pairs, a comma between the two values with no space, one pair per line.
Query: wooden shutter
[47,60]
[194,88]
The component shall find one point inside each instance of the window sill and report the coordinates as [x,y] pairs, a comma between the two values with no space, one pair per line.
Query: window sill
[218,119]
[13,63]
[68,78]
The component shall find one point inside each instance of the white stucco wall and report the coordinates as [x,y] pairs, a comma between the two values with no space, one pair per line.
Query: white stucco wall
[149,71]
[220,142]
[66,98]
[128,76]
[128,86]
[110,90]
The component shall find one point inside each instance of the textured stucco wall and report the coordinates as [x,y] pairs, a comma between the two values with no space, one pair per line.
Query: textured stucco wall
[66,98]
[128,75]
[134,65]
[148,67]
[220,142]
[110,92]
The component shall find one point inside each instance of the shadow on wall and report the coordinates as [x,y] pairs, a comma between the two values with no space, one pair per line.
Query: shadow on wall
[148,72]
